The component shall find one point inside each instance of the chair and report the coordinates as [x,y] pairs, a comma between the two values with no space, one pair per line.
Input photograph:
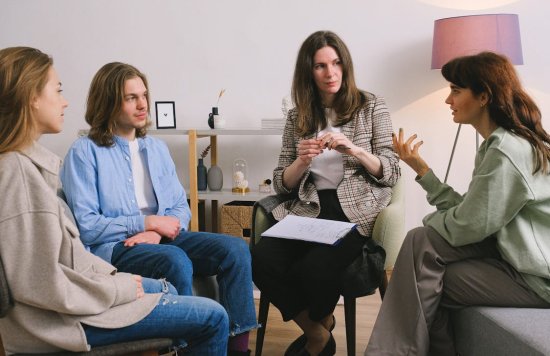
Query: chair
[147,347]
[388,232]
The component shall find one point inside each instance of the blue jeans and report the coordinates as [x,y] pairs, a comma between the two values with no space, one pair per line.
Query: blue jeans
[196,322]
[201,254]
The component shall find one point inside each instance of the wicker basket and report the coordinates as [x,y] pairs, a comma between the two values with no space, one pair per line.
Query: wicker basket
[236,219]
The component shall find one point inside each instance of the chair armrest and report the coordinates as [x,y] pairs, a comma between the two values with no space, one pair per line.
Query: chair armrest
[389,227]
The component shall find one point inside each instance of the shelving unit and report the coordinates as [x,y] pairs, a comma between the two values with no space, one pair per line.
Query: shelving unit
[193,193]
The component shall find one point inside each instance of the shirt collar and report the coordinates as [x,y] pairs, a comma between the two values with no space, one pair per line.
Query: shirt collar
[125,143]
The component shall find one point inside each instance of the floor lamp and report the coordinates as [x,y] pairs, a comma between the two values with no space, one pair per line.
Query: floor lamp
[467,35]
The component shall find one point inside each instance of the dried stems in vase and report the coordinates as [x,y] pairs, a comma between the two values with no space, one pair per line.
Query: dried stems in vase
[205,152]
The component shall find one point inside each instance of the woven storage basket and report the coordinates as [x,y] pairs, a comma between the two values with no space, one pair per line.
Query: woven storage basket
[236,219]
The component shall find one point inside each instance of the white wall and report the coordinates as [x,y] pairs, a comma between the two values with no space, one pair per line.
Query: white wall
[190,49]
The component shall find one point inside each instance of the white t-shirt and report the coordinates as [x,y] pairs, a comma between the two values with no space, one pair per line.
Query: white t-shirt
[145,195]
[327,169]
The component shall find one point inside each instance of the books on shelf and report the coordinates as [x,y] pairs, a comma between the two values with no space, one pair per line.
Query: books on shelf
[273,124]
[310,229]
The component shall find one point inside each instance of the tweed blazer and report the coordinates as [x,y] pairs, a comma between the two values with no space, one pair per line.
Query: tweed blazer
[361,195]
[54,282]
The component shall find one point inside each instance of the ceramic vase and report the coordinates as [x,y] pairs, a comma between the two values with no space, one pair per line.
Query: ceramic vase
[201,175]
[215,178]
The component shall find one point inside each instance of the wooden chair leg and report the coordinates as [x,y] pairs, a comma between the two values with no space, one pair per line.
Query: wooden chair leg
[349,315]
[2,353]
[262,319]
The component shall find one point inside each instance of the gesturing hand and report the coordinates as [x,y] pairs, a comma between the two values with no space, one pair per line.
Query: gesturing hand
[408,152]
[146,237]
[167,226]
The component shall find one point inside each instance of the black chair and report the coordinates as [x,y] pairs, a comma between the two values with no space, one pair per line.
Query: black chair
[388,232]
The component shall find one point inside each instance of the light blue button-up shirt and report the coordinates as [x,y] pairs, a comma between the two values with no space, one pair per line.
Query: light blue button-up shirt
[99,186]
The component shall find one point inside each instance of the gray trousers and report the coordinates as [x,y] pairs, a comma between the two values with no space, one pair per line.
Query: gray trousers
[430,276]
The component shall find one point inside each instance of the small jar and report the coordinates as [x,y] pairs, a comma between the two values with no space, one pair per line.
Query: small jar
[265,186]
[240,176]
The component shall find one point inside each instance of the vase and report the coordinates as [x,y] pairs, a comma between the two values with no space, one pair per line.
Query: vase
[211,120]
[201,175]
[215,178]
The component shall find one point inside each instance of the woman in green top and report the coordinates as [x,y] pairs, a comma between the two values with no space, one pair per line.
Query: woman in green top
[489,246]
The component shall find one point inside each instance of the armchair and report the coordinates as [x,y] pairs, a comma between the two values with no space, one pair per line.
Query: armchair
[388,232]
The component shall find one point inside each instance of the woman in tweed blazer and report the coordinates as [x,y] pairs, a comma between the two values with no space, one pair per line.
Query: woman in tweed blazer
[337,162]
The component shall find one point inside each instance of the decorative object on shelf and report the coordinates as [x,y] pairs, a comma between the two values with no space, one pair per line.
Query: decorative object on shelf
[265,186]
[215,121]
[166,114]
[211,117]
[219,121]
[240,176]
[215,178]
[201,170]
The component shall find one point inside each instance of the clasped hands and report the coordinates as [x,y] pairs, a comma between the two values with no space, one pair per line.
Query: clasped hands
[310,148]
[408,152]
[155,228]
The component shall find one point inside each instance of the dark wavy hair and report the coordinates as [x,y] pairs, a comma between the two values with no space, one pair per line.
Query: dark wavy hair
[305,93]
[510,107]
[105,101]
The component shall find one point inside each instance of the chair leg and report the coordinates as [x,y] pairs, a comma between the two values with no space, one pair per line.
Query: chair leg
[2,353]
[262,319]
[349,315]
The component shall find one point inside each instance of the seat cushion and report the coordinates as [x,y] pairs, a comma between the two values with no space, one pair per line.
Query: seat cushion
[501,331]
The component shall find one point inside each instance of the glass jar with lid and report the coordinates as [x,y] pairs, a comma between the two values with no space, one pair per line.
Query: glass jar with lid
[240,176]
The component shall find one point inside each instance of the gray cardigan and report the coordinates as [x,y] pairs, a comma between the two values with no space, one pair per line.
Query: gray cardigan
[54,282]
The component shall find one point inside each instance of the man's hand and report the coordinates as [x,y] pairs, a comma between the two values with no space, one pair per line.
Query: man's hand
[167,226]
[146,237]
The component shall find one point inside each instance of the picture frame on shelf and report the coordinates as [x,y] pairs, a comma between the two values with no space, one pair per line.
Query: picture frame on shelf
[166,114]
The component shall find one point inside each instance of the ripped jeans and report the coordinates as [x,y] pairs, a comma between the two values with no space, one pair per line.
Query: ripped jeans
[199,323]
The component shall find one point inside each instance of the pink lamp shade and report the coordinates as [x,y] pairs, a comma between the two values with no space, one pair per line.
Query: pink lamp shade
[468,35]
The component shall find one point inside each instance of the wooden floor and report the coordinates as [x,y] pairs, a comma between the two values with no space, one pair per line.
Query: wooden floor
[280,334]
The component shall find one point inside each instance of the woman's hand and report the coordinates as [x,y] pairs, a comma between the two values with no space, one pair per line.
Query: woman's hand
[309,149]
[140,292]
[339,142]
[146,237]
[168,226]
[408,152]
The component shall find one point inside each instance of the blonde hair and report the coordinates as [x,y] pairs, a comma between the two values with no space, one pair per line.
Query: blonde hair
[23,75]
[105,101]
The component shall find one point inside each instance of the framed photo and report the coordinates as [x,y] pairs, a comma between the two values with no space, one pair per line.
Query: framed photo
[166,114]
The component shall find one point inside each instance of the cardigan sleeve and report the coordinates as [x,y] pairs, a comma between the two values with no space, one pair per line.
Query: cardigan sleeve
[50,270]
[497,192]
